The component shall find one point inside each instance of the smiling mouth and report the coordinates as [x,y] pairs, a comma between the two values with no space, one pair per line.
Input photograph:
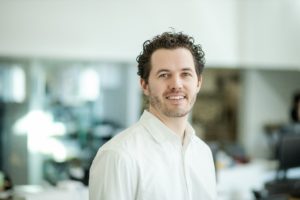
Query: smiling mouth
[176,97]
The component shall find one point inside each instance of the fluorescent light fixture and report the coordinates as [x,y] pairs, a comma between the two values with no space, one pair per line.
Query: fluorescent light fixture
[18,84]
[89,87]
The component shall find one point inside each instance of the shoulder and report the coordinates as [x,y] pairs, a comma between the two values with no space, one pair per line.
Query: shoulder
[125,142]
[116,151]
[113,175]
[109,159]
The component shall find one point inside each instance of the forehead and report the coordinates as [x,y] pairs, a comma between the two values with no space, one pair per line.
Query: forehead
[172,59]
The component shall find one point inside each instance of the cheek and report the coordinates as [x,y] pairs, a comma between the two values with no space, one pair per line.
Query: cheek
[156,90]
[194,88]
[197,89]
[146,92]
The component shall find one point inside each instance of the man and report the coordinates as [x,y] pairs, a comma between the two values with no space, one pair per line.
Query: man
[295,111]
[160,157]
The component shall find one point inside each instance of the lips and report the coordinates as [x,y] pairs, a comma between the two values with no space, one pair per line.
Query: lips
[175,97]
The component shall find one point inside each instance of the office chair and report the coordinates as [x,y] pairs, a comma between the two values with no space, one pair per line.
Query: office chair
[288,157]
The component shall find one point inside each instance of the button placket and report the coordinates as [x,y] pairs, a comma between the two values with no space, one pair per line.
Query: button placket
[184,169]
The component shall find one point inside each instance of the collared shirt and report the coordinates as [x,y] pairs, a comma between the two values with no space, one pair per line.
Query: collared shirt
[149,162]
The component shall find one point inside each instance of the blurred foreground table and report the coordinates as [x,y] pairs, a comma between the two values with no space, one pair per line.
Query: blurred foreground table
[64,191]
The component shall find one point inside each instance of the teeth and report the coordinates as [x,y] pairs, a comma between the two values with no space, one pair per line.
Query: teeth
[176,97]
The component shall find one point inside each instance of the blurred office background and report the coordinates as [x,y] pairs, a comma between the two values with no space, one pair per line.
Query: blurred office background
[68,83]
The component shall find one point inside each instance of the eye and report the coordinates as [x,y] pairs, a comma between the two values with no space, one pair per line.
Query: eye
[163,75]
[186,74]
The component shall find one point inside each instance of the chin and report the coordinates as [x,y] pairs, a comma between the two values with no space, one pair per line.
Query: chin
[174,114]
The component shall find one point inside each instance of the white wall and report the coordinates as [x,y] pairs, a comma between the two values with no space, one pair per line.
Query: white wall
[257,33]
[232,32]
[266,99]
[114,29]
[269,32]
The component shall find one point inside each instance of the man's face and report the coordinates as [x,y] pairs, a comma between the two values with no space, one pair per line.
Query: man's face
[173,83]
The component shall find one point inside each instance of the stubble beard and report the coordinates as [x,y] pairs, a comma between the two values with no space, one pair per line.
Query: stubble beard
[156,103]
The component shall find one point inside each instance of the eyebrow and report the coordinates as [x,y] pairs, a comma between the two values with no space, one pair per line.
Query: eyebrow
[166,70]
[187,69]
[162,70]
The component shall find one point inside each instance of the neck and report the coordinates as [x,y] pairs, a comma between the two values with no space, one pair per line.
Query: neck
[176,124]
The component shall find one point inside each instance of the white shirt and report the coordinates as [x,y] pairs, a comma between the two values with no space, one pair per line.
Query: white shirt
[148,162]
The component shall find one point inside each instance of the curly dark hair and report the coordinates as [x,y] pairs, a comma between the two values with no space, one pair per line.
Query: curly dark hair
[169,40]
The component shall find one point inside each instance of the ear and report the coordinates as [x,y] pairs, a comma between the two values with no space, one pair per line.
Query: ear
[144,86]
[199,83]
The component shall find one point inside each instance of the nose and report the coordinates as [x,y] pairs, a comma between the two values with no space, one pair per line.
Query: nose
[175,83]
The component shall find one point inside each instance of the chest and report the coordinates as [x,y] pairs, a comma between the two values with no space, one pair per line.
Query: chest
[170,172]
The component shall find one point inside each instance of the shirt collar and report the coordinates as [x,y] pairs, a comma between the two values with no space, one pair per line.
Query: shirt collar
[161,133]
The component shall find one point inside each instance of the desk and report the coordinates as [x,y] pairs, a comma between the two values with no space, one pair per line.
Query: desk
[238,182]
[51,193]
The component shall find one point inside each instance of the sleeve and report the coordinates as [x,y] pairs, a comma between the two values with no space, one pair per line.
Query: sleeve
[113,176]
